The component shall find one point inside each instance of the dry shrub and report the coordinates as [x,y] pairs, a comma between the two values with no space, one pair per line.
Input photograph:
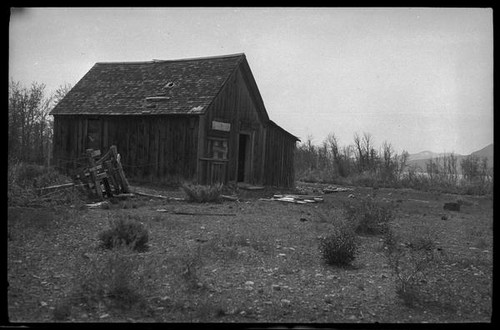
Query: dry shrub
[191,265]
[411,257]
[202,193]
[24,181]
[340,246]
[118,278]
[125,231]
[369,217]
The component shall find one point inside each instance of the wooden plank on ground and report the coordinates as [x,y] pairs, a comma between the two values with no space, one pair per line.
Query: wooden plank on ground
[197,213]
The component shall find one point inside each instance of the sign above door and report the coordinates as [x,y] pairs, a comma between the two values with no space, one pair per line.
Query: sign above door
[220,126]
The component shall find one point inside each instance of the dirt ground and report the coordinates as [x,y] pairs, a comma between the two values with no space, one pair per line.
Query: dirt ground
[253,261]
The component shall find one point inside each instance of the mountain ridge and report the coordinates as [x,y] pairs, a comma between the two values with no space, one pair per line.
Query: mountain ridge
[420,159]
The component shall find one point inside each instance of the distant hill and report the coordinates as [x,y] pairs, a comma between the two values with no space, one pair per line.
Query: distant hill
[421,159]
[486,152]
[424,155]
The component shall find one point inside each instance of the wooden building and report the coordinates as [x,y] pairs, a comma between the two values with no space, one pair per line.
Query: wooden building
[201,120]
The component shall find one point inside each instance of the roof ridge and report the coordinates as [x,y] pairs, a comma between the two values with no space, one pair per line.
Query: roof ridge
[177,60]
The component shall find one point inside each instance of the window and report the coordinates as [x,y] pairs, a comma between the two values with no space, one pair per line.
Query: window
[217,148]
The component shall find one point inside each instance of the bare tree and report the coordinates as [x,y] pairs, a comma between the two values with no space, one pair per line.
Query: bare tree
[60,93]
[450,167]
[346,157]
[28,110]
[359,155]
[483,170]
[432,167]
[389,162]
[323,157]
[370,154]
[30,128]
[332,143]
[402,162]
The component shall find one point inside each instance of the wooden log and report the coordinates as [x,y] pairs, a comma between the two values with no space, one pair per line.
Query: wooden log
[98,204]
[60,186]
[124,195]
[140,193]
[252,187]
[209,214]
[229,198]
[197,213]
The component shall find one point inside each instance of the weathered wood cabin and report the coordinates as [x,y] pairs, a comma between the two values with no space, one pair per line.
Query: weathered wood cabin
[201,120]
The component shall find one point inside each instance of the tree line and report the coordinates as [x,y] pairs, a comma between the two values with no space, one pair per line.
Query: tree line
[361,162]
[330,160]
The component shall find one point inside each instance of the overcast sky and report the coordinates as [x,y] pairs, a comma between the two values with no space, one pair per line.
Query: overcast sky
[420,78]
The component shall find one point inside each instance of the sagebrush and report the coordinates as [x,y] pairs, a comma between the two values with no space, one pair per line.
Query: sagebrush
[116,279]
[202,193]
[24,181]
[340,246]
[125,231]
[369,216]
[411,258]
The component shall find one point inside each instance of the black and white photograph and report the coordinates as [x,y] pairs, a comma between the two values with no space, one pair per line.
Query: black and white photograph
[250,165]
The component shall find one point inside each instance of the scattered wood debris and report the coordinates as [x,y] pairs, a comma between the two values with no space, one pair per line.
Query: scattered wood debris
[196,213]
[123,196]
[97,205]
[56,187]
[297,199]
[140,193]
[230,198]
[333,189]
[104,174]
[250,187]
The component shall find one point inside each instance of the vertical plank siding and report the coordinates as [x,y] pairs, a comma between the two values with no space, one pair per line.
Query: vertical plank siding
[235,105]
[279,166]
[151,148]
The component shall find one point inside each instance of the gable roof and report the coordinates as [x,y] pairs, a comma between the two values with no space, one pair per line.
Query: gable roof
[185,86]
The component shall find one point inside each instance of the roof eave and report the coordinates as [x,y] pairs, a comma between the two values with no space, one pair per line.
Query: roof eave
[272,123]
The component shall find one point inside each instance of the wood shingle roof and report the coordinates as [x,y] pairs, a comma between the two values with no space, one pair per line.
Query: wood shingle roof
[184,86]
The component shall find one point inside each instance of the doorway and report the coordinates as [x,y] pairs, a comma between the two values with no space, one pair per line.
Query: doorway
[243,157]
